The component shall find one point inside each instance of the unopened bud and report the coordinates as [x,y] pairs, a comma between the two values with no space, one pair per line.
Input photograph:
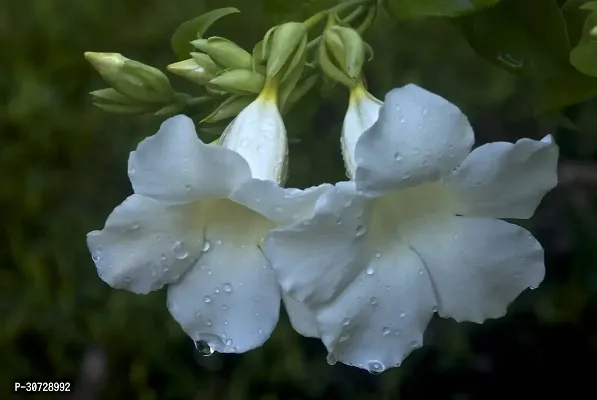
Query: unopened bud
[239,81]
[225,52]
[285,41]
[347,48]
[191,70]
[132,78]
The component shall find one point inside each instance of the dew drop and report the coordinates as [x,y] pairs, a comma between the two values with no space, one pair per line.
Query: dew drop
[179,251]
[224,307]
[338,221]
[377,254]
[218,242]
[228,342]
[96,257]
[227,287]
[402,119]
[204,348]
[373,300]
[375,367]
[532,287]
[209,272]
[343,337]
[370,270]
[360,230]
[197,314]
[402,314]
[346,321]
[131,170]
[386,331]
[331,358]
[397,332]
[187,188]
[415,345]
[420,272]
[434,309]
[206,245]
[208,322]
[397,157]
[424,111]
[207,299]
[217,290]
[398,108]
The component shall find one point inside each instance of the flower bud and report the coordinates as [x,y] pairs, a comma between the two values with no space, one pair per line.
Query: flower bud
[191,70]
[342,54]
[132,78]
[229,108]
[225,52]
[281,47]
[240,81]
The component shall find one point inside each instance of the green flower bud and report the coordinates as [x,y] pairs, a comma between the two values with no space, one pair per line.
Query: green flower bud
[347,49]
[132,78]
[191,70]
[240,81]
[285,41]
[225,52]
[111,96]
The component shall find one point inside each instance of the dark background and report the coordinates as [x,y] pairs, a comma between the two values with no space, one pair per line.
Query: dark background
[63,169]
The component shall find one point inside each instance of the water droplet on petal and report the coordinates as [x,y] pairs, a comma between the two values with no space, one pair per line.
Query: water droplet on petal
[421,272]
[373,300]
[415,345]
[227,287]
[260,331]
[388,287]
[209,272]
[532,287]
[375,367]
[228,342]
[360,230]
[397,108]
[204,348]
[206,245]
[187,188]
[224,307]
[179,251]
[402,120]
[218,242]
[423,111]
[163,256]
[331,358]
[217,290]
[370,270]
[207,299]
[397,332]
[96,257]
[131,170]
[386,331]
[397,157]
[377,254]
[197,314]
[343,337]
[434,309]
[402,314]
[338,221]
[346,321]
[208,322]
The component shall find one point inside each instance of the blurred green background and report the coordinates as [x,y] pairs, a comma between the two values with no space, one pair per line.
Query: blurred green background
[63,169]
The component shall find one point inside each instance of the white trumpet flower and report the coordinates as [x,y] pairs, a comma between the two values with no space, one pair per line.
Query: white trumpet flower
[191,224]
[415,232]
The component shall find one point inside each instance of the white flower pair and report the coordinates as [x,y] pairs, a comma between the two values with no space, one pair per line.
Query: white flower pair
[364,264]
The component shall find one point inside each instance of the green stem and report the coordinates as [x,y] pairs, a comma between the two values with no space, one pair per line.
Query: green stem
[347,4]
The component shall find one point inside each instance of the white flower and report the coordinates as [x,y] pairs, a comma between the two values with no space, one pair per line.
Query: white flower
[363,110]
[191,223]
[415,232]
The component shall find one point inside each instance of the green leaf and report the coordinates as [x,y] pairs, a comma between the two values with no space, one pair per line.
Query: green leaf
[523,36]
[584,55]
[195,28]
[566,89]
[575,17]
[413,9]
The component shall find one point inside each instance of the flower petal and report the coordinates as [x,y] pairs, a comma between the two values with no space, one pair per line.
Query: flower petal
[175,166]
[418,137]
[301,318]
[479,266]
[505,180]
[363,111]
[318,258]
[380,319]
[230,298]
[283,206]
[146,244]
[258,134]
